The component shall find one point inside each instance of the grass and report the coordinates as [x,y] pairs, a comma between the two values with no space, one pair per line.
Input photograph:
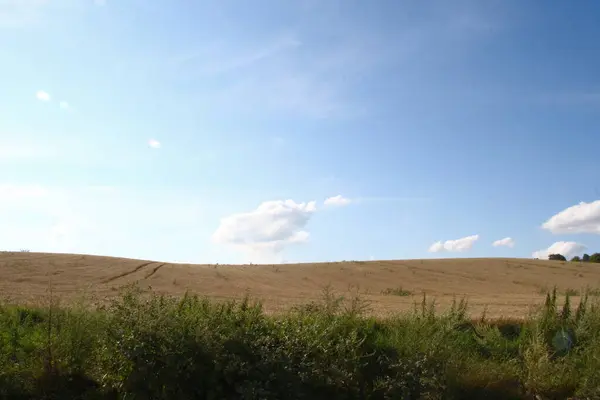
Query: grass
[149,346]
[572,292]
[591,292]
[396,292]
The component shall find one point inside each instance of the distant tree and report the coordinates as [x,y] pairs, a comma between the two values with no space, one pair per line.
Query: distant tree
[595,258]
[557,257]
[585,258]
[576,258]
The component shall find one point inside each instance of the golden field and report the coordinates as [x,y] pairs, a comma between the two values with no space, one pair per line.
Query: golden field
[506,287]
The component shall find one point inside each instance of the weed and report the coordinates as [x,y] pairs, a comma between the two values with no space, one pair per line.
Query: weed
[396,292]
[572,292]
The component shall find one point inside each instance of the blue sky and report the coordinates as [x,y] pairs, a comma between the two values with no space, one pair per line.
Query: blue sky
[214,131]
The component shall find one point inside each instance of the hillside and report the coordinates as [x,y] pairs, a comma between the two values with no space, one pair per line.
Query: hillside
[506,286]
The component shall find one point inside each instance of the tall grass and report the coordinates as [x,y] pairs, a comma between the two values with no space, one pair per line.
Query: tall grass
[191,348]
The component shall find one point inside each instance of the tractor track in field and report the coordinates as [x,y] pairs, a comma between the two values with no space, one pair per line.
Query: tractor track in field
[133,271]
[155,270]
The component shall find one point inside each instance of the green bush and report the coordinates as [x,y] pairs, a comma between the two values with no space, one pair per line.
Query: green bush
[156,347]
[557,257]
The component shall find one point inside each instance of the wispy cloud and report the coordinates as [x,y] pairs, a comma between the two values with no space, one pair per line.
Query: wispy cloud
[64,105]
[16,192]
[280,75]
[22,14]
[218,59]
[23,151]
[391,199]
[42,95]
[82,219]
[338,201]
[506,242]
[155,144]
[19,13]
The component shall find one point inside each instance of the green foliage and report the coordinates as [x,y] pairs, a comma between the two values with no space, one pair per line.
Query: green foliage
[396,292]
[576,258]
[557,257]
[595,258]
[158,347]
[585,258]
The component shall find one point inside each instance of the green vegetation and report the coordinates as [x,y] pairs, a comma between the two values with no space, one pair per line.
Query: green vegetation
[396,292]
[594,258]
[153,347]
[572,292]
[557,257]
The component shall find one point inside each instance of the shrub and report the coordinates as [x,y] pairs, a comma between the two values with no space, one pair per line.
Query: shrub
[160,347]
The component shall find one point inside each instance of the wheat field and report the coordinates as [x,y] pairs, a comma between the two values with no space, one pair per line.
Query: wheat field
[503,287]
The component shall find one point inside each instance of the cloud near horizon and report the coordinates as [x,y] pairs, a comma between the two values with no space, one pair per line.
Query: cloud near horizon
[266,231]
[454,246]
[581,218]
[506,242]
[567,249]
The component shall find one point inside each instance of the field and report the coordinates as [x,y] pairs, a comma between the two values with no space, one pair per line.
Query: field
[154,341]
[507,287]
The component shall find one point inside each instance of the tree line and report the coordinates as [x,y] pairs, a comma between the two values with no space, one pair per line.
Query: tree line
[594,258]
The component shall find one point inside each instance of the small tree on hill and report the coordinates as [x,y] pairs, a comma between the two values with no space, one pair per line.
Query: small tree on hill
[557,257]
[585,258]
[595,258]
[576,258]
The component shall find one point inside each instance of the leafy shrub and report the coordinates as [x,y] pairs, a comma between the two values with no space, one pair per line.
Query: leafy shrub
[158,347]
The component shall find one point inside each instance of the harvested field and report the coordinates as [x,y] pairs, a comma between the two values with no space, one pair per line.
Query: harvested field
[507,287]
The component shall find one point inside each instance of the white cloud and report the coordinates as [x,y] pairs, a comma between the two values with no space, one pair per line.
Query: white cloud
[267,230]
[42,96]
[567,249]
[338,200]
[507,241]
[455,246]
[155,144]
[64,105]
[581,218]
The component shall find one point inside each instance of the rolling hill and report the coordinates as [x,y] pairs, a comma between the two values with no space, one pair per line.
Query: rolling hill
[508,287]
